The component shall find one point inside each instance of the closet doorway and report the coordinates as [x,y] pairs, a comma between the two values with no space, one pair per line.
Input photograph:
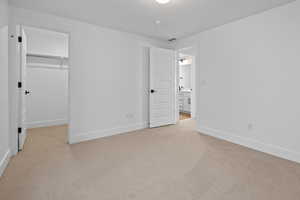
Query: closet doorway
[44,87]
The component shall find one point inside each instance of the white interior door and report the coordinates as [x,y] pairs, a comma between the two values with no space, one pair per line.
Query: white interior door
[23,90]
[162,87]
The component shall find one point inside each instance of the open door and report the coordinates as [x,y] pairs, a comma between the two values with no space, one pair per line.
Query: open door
[162,87]
[193,82]
[22,88]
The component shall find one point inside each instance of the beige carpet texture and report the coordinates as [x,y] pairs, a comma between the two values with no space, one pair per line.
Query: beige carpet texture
[167,163]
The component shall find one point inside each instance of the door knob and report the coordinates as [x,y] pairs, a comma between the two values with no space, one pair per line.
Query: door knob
[27,92]
[152,91]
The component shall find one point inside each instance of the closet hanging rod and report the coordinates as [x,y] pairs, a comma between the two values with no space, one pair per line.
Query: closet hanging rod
[46,56]
[47,66]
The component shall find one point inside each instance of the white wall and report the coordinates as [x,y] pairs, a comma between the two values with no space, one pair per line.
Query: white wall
[47,103]
[185,73]
[107,85]
[4,117]
[248,78]
[46,42]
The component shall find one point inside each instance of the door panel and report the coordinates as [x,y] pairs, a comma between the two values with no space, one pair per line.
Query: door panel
[162,85]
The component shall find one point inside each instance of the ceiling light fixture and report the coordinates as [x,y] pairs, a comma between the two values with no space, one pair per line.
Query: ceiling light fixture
[162,1]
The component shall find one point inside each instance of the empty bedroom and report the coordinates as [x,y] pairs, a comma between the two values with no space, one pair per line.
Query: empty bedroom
[149,99]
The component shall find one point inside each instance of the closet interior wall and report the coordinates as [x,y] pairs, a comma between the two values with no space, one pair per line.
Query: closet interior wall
[47,78]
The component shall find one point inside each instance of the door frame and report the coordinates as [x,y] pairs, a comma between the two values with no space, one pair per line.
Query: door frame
[15,74]
[194,83]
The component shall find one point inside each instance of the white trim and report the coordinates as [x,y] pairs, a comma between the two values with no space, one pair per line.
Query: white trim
[38,124]
[253,144]
[105,133]
[4,162]
[162,123]
[177,79]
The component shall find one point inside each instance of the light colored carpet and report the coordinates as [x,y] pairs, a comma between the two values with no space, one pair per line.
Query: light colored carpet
[168,163]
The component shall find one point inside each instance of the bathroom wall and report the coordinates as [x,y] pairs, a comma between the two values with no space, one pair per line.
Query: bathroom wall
[185,76]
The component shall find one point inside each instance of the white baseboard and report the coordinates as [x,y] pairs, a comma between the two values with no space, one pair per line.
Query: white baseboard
[4,162]
[38,124]
[253,144]
[105,133]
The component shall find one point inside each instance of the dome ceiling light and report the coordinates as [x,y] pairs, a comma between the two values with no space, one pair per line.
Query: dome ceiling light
[163,1]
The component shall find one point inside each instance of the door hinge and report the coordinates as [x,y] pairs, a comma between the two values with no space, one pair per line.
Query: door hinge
[20,39]
[19,84]
[19,130]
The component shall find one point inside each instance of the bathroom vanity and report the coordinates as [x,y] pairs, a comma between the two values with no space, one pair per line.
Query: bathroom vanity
[184,100]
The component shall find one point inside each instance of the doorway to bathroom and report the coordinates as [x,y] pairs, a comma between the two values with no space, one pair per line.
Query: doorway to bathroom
[186,84]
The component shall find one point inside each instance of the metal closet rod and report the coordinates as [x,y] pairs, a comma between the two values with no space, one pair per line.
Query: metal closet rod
[46,56]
